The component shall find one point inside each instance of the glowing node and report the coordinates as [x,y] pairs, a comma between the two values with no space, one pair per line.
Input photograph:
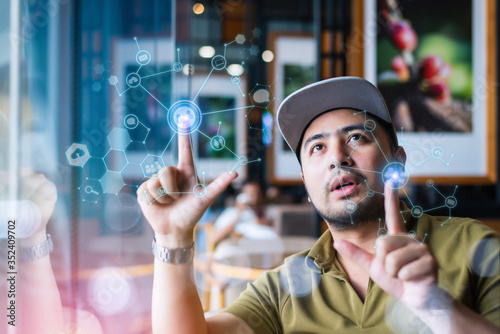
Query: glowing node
[133,80]
[354,145]
[113,80]
[184,117]
[131,121]
[162,191]
[218,63]
[199,190]
[235,79]
[450,202]
[395,175]
[382,233]
[350,206]
[412,234]
[242,160]
[437,152]
[370,125]
[429,182]
[417,211]
[143,57]
[370,193]
[218,143]
[177,66]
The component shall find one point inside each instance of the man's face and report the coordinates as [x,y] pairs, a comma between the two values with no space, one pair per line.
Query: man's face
[342,164]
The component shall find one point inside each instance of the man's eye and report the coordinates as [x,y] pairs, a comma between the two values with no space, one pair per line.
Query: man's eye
[356,137]
[317,147]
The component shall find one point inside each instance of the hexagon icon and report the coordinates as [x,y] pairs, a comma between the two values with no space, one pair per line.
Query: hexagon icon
[152,165]
[119,138]
[115,160]
[240,39]
[91,190]
[77,154]
[112,182]
[113,80]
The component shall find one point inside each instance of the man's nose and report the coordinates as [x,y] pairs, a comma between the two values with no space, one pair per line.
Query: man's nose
[341,158]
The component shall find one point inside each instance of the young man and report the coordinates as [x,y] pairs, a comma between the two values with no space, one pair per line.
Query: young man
[367,273]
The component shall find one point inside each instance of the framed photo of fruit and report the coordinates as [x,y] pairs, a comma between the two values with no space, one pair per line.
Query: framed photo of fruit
[435,64]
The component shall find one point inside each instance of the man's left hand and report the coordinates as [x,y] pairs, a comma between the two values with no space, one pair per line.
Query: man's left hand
[401,265]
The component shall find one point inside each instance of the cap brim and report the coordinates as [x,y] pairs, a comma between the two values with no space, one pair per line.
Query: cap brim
[298,110]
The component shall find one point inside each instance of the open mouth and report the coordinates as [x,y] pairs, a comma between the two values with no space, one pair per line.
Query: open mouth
[344,185]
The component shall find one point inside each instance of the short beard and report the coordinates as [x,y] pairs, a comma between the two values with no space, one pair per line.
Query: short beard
[370,209]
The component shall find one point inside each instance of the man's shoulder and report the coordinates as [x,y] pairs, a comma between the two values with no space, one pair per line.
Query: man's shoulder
[459,226]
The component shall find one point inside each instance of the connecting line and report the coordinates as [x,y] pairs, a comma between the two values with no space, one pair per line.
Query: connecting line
[225,47]
[239,87]
[203,85]
[236,155]
[376,192]
[137,72]
[218,129]
[151,201]
[365,170]
[449,217]
[408,197]
[137,43]
[204,134]
[438,192]
[375,138]
[354,149]
[256,160]
[224,110]
[147,134]
[234,167]
[447,163]
[421,162]
[179,55]
[120,94]
[172,138]
[153,97]
[152,75]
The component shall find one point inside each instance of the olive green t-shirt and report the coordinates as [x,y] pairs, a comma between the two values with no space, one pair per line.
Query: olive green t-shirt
[310,292]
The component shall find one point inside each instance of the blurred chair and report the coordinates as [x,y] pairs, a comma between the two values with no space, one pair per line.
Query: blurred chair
[295,220]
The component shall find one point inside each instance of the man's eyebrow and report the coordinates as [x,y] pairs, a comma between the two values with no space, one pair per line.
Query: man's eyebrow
[320,135]
[350,128]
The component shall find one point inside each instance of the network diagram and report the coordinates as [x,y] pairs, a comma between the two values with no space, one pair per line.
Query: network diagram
[395,175]
[184,117]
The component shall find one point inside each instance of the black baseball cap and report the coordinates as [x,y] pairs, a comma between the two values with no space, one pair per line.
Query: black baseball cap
[300,108]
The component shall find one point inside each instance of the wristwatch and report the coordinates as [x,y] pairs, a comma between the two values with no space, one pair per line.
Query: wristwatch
[36,252]
[175,255]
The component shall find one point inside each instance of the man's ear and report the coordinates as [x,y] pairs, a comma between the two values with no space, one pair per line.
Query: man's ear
[302,176]
[400,155]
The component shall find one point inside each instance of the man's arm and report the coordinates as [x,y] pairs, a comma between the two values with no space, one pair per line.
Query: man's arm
[407,270]
[176,307]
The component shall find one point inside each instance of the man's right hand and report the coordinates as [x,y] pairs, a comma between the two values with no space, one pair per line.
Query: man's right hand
[174,215]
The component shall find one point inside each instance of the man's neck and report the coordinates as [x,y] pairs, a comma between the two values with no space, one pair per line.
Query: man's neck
[364,237]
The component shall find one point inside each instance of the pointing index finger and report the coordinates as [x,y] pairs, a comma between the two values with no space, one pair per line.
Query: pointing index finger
[393,219]
[185,152]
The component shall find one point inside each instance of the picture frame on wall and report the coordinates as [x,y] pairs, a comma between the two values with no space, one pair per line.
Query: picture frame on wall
[437,73]
[294,64]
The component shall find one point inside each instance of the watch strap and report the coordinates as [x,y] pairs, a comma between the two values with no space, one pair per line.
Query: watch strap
[174,255]
[36,252]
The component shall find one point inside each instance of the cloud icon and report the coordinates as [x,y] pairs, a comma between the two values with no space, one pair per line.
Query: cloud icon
[261,96]
[78,153]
